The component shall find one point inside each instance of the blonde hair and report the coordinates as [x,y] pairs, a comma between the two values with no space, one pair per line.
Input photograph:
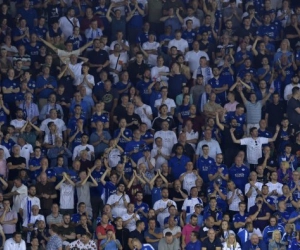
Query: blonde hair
[227,241]
[276,232]
[285,164]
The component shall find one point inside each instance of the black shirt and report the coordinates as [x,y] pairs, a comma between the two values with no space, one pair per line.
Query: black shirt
[276,113]
[108,98]
[135,69]
[122,235]
[271,162]
[292,114]
[173,193]
[188,150]
[132,118]
[80,230]
[13,173]
[136,234]
[290,30]
[212,245]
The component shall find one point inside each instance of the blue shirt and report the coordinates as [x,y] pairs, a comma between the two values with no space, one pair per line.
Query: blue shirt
[204,166]
[218,83]
[214,169]
[297,222]
[190,37]
[295,245]
[156,194]
[29,15]
[142,87]
[240,218]
[137,146]
[40,32]
[177,165]
[49,172]
[193,245]
[97,191]
[58,173]
[76,41]
[147,247]
[122,142]
[7,83]
[240,119]
[33,51]
[137,20]
[268,232]
[239,175]
[41,82]
[269,30]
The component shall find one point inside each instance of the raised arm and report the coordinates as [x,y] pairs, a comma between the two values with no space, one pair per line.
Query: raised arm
[233,136]
[221,126]
[50,45]
[275,135]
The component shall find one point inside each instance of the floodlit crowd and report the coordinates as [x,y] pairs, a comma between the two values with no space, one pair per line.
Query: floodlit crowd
[150,125]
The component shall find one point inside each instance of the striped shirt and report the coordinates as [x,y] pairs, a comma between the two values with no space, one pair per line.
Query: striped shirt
[253,112]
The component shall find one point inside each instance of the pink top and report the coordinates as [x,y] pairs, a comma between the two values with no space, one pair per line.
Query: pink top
[3,168]
[230,107]
[187,231]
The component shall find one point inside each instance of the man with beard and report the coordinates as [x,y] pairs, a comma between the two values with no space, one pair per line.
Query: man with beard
[67,230]
[188,229]
[137,68]
[144,86]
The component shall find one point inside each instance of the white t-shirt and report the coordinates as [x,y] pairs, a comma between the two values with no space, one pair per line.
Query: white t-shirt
[169,102]
[120,209]
[60,124]
[6,152]
[213,145]
[65,55]
[79,148]
[132,223]
[180,44]
[174,231]
[10,244]
[76,69]
[140,111]
[25,152]
[155,73]
[164,214]
[234,206]
[28,202]
[112,45]
[18,123]
[251,199]
[160,160]
[189,181]
[143,160]
[193,58]
[66,200]
[275,186]
[254,148]
[168,138]
[189,205]
[116,62]
[90,79]
[17,199]
[66,26]
[114,157]
[191,136]
[152,59]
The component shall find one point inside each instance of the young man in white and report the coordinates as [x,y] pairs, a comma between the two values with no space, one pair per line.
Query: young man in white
[161,206]
[180,43]
[85,80]
[275,187]
[189,177]
[67,190]
[193,57]
[144,111]
[119,201]
[117,61]
[165,100]
[189,203]
[168,137]
[151,48]
[84,146]
[130,218]
[252,189]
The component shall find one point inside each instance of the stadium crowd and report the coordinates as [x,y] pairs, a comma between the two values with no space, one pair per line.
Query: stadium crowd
[150,124]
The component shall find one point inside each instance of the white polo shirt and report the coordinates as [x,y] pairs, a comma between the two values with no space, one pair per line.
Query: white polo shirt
[254,148]
[193,58]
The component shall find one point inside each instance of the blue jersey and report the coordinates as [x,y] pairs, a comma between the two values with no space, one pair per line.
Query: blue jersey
[227,77]
[190,37]
[167,39]
[49,172]
[266,134]
[204,165]
[214,169]
[41,82]
[59,173]
[218,83]
[142,37]
[99,86]
[109,189]
[122,142]
[222,204]
[177,165]
[268,232]
[144,207]
[97,191]
[269,30]
[218,214]
[293,163]
[184,111]
[294,245]
[240,218]
[283,217]
[148,135]
[207,29]
[239,175]
[104,118]
[267,77]
[72,123]
[135,146]
[137,19]
[142,87]
[40,32]
[7,83]
[240,119]
[33,51]
[9,144]
[29,15]
[156,194]
[77,139]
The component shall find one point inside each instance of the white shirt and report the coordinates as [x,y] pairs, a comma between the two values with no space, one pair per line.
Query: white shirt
[10,244]
[143,160]
[66,26]
[114,157]
[28,202]
[64,55]
[152,59]
[196,22]
[191,136]
[25,152]
[180,44]
[18,123]
[164,214]
[234,206]
[288,90]
[17,199]
[251,199]
[132,223]
[33,219]
[213,145]
[193,58]
[116,62]
[76,69]
[254,148]
[79,148]
[6,152]
[66,196]
[189,181]
[60,124]
[168,138]
[169,102]
[206,72]
[275,186]
[155,73]
[120,209]
[160,160]
[112,45]
[189,205]
[90,79]
[174,231]
[140,111]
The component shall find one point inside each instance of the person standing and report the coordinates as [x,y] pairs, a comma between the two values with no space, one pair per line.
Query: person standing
[55,242]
